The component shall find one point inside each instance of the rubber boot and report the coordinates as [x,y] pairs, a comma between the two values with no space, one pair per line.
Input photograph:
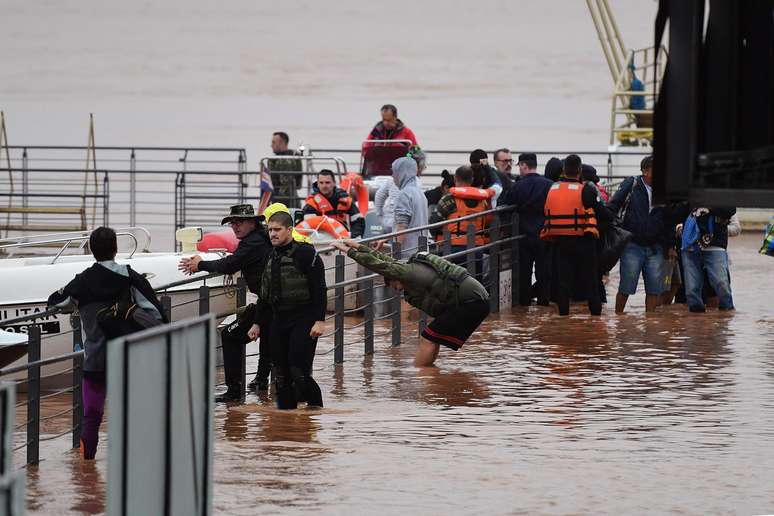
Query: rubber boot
[299,383]
[313,393]
[285,393]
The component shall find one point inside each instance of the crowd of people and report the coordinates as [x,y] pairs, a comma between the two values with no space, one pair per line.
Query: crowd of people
[572,235]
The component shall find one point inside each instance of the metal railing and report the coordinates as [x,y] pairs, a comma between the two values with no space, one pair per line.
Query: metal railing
[378,317]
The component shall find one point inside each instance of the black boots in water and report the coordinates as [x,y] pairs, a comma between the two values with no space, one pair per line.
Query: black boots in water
[300,387]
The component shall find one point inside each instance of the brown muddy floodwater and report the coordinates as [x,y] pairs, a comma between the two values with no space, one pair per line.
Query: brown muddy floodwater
[669,413]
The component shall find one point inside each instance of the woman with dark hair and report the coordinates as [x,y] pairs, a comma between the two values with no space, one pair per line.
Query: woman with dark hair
[553,169]
[434,195]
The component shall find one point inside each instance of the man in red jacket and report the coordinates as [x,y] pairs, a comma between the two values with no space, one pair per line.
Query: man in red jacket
[378,157]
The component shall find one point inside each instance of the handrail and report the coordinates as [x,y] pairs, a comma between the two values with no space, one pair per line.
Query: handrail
[77,236]
[41,362]
[101,147]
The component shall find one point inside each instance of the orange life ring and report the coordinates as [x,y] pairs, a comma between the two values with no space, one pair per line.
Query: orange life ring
[218,240]
[469,192]
[325,224]
[353,184]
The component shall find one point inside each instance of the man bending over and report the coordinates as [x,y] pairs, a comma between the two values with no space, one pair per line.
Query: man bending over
[436,286]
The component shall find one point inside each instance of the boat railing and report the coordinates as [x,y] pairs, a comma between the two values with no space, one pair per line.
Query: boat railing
[363,313]
[81,237]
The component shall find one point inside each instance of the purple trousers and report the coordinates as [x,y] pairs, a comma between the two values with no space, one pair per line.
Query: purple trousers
[94,391]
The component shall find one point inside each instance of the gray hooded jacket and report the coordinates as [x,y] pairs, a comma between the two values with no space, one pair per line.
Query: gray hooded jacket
[411,207]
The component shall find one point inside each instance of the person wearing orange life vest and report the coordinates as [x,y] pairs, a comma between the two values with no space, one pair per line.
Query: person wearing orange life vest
[329,200]
[572,213]
[461,201]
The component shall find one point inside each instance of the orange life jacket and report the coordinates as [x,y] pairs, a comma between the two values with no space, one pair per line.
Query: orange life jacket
[323,206]
[565,214]
[333,227]
[459,231]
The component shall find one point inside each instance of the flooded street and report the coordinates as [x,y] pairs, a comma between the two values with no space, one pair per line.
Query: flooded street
[672,412]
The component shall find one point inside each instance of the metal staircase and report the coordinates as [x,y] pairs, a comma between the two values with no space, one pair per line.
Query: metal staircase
[635,73]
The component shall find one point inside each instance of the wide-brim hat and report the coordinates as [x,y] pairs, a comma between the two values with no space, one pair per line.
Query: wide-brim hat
[241,211]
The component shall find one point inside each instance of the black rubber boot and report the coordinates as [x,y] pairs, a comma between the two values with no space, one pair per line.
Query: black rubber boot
[313,393]
[286,394]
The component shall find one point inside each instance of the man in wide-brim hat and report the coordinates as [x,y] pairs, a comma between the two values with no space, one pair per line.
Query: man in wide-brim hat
[249,258]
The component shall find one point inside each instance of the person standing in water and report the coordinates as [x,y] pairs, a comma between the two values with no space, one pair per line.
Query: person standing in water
[441,289]
[292,293]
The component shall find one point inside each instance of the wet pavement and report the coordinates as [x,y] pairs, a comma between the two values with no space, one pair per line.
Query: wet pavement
[665,413]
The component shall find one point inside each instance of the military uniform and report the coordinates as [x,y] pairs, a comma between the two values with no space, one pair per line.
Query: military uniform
[285,185]
[439,288]
[249,258]
[292,291]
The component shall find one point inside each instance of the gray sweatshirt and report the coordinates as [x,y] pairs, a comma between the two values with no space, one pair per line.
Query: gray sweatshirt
[411,206]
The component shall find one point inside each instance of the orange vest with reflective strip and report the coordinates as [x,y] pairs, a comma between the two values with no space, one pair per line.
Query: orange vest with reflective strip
[459,231]
[565,214]
[323,206]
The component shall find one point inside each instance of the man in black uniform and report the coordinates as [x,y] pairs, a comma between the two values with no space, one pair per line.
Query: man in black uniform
[292,292]
[529,195]
[249,257]
[573,213]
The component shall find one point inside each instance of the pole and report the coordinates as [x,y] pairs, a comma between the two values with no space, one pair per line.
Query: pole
[242,301]
[494,267]
[515,279]
[132,189]
[396,302]
[77,400]
[368,315]
[204,300]
[338,335]
[33,396]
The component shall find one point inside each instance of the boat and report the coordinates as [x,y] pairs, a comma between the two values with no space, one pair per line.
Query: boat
[28,281]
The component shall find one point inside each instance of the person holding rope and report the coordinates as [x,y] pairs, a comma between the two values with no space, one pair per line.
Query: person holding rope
[441,289]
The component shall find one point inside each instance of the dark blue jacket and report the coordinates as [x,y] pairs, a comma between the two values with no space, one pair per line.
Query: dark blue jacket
[648,227]
[529,194]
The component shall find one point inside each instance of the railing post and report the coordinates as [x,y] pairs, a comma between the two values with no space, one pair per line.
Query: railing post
[368,315]
[241,299]
[338,320]
[396,301]
[33,396]
[25,185]
[204,299]
[470,258]
[422,324]
[515,279]
[446,244]
[166,305]
[75,322]
[105,199]
[494,267]
[132,189]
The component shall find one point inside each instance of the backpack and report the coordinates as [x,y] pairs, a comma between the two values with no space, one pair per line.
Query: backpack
[446,270]
[124,316]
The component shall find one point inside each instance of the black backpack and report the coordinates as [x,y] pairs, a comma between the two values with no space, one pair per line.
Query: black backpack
[125,316]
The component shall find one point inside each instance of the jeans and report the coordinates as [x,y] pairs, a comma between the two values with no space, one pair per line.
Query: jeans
[648,260]
[716,264]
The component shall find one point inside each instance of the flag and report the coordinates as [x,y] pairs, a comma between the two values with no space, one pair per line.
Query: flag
[267,189]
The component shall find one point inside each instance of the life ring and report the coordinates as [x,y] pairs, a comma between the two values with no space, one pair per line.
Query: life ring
[321,223]
[218,240]
[353,184]
[469,192]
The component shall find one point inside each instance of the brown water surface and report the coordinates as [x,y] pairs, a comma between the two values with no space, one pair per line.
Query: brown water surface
[670,412]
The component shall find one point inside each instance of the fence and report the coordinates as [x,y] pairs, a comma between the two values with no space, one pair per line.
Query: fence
[165,188]
[378,310]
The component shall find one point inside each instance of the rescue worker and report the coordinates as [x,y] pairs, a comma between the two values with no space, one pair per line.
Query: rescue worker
[249,258]
[330,200]
[436,286]
[461,201]
[572,211]
[293,295]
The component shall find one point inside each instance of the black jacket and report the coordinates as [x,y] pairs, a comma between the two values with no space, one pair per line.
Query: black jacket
[95,288]
[529,195]
[249,257]
[648,226]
